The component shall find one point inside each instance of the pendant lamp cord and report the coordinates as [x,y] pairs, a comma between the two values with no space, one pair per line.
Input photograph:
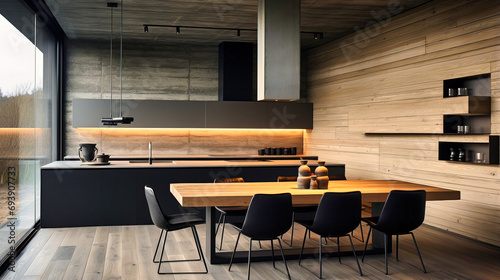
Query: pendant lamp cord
[121,58]
[111,67]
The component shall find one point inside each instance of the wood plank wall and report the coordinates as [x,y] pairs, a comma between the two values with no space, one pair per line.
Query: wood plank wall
[156,71]
[390,75]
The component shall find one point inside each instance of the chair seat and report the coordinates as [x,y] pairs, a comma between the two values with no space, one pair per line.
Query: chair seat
[232,211]
[178,221]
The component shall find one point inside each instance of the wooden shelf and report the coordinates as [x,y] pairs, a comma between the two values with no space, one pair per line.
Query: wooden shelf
[476,114]
[489,148]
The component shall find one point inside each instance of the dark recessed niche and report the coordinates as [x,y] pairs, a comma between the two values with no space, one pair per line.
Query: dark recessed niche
[478,85]
[478,124]
[490,150]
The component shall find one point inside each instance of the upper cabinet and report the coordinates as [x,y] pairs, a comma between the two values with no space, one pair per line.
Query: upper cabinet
[196,114]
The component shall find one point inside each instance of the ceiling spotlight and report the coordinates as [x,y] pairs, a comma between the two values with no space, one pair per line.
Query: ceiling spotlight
[178,30]
[146,29]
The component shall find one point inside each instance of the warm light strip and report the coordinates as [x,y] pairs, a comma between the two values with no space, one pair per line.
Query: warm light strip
[19,129]
[135,129]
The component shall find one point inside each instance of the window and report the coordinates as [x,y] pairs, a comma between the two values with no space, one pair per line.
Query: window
[28,91]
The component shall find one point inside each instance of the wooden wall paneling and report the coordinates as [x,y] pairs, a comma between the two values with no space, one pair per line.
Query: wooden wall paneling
[406,91]
[421,14]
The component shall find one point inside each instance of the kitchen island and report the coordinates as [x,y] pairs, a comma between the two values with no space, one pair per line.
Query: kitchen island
[76,194]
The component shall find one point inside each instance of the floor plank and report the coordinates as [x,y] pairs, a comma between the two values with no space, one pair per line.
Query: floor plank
[126,252]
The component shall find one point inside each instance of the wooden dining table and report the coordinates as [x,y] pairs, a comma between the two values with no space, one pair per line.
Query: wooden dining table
[210,195]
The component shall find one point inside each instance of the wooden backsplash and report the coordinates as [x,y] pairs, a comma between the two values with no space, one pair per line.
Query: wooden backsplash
[388,77]
[156,72]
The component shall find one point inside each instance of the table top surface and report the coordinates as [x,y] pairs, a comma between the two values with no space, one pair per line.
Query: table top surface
[240,194]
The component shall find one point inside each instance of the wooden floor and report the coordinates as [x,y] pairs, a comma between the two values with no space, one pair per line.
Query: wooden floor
[125,252]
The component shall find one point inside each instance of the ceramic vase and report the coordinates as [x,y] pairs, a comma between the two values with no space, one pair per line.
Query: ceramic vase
[322,182]
[321,170]
[314,183]
[304,178]
[303,182]
[304,170]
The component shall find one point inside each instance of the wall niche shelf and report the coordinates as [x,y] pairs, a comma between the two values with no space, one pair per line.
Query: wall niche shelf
[489,147]
[477,115]
[477,85]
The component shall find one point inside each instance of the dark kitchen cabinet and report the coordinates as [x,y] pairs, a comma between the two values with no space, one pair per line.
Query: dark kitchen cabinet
[115,196]
[198,114]
[71,198]
[231,114]
[118,196]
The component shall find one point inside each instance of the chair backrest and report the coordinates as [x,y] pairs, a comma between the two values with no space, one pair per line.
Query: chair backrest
[338,213]
[268,216]
[154,209]
[403,212]
[229,180]
[287,178]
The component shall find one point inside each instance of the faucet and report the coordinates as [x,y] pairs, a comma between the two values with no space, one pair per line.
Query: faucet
[150,153]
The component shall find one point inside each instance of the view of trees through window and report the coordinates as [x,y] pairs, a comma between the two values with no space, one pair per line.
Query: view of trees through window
[27,85]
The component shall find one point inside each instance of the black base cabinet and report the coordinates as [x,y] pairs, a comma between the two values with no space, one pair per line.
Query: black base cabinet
[110,196]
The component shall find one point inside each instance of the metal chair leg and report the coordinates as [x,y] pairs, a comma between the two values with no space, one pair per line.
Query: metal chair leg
[222,233]
[158,245]
[249,258]
[303,243]
[218,224]
[272,252]
[284,260]
[162,249]
[293,226]
[385,251]
[234,251]
[366,244]
[320,259]
[356,257]
[198,246]
[418,251]
[338,248]
[397,247]
[362,235]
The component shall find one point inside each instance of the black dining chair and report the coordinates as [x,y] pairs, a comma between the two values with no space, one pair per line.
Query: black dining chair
[311,208]
[229,211]
[338,214]
[268,217]
[172,223]
[296,209]
[403,212]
